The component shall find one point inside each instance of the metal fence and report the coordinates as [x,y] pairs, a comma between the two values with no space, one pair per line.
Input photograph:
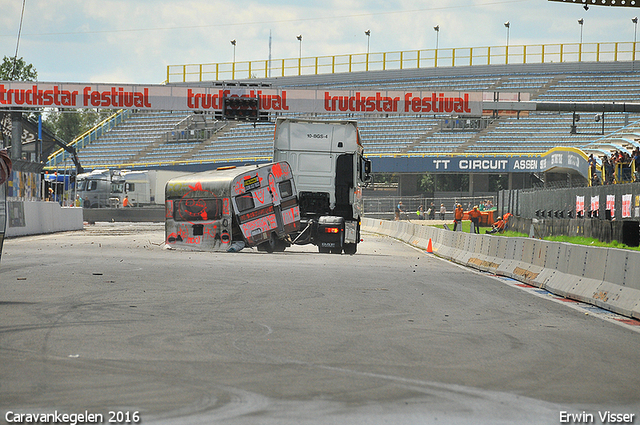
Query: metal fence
[385,207]
[613,202]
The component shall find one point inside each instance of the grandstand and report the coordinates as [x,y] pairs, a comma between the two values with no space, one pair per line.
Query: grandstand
[146,139]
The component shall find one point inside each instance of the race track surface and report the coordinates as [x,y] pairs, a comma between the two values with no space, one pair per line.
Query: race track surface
[107,320]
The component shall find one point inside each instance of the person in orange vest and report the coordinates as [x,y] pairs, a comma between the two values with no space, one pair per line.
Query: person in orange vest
[498,226]
[505,218]
[501,224]
[126,202]
[474,215]
[457,217]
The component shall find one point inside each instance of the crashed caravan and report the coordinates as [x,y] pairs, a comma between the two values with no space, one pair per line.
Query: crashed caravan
[232,207]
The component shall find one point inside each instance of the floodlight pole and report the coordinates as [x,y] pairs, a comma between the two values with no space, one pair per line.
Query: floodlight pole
[299,37]
[233,65]
[507,25]
[437,30]
[368,34]
[233,42]
[635,34]
[581,22]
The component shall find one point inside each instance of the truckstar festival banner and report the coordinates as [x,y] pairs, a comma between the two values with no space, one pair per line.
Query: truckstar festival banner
[182,98]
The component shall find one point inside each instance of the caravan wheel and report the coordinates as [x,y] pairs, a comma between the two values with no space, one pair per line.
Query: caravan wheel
[273,245]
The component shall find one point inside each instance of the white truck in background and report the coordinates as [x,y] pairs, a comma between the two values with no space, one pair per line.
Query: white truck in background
[330,171]
[108,188]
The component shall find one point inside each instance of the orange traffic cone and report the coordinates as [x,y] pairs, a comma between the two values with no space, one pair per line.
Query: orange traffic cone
[429,247]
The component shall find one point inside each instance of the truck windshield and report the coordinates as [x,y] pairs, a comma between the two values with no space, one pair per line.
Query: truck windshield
[91,185]
[116,187]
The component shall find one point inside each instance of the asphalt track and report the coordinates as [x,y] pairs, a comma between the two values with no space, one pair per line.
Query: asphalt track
[105,319]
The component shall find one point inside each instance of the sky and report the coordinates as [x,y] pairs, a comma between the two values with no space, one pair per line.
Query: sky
[133,41]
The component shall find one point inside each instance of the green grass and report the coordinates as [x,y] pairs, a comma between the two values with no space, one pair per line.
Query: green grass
[513,234]
[466,226]
[578,240]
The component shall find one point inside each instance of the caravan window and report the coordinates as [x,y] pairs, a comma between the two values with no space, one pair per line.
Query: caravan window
[190,209]
[92,185]
[129,187]
[245,202]
[286,189]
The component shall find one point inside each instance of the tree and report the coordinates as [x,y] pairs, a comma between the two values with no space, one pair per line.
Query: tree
[14,69]
[426,183]
[498,182]
[70,123]
[453,182]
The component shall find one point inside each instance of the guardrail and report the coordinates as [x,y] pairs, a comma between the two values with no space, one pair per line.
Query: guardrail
[409,59]
[606,277]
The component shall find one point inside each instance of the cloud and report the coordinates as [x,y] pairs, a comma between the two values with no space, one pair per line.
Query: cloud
[125,41]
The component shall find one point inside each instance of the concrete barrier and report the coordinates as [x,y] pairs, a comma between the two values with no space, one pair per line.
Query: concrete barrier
[606,277]
[512,249]
[38,217]
[154,214]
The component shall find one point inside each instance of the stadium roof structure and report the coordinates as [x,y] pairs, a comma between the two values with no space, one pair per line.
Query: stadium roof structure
[495,141]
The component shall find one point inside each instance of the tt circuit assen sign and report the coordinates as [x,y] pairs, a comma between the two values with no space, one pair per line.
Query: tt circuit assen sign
[183,98]
[554,160]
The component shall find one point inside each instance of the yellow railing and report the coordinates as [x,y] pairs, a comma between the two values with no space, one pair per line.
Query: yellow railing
[59,156]
[411,59]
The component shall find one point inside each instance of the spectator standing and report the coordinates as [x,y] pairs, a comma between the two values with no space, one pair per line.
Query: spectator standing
[636,164]
[474,215]
[432,212]
[592,165]
[399,210]
[443,211]
[457,217]
[608,170]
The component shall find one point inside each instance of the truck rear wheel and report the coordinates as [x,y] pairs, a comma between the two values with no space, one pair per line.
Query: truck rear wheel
[350,248]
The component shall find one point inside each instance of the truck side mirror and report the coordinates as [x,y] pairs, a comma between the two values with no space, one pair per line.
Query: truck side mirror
[368,179]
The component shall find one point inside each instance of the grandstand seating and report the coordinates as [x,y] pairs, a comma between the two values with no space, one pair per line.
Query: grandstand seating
[124,143]
[140,139]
